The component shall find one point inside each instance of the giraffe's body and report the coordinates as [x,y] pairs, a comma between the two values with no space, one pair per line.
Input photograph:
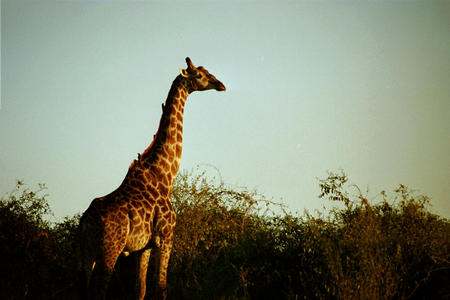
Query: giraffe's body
[138,215]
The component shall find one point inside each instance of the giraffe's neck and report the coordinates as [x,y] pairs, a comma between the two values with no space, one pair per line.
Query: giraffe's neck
[164,153]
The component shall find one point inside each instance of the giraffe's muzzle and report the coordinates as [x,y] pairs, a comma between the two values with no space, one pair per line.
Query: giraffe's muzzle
[220,86]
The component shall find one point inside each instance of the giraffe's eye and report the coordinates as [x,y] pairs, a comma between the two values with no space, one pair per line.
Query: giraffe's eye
[198,76]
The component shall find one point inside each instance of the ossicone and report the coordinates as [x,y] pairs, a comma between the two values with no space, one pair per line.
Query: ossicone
[190,64]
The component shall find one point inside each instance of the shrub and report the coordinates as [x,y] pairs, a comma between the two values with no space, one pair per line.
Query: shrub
[36,255]
[216,225]
[230,245]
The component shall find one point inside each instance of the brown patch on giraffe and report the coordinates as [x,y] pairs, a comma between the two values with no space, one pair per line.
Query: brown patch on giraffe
[122,215]
[133,183]
[163,153]
[145,205]
[141,211]
[123,210]
[165,231]
[147,175]
[140,186]
[146,195]
[155,170]
[146,164]
[160,202]
[179,117]
[133,190]
[136,221]
[154,192]
[139,228]
[178,150]
[162,223]
[164,180]
[172,136]
[149,204]
[174,168]
[163,190]
[134,203]
[117,219]
[165,165]
[164,209]
[146,217]
[171,154]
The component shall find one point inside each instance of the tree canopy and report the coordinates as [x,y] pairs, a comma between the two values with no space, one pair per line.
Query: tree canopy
[231,244]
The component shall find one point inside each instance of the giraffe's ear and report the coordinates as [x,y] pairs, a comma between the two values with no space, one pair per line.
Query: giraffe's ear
[184,73]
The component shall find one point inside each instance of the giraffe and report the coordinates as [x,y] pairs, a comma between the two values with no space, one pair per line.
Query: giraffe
[138,215]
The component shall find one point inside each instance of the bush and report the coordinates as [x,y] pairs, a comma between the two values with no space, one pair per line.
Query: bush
[35,257]
[216,225]
[230,245]
[380,251]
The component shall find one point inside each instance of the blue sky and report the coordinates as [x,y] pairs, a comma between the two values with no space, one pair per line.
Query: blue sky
[311,87]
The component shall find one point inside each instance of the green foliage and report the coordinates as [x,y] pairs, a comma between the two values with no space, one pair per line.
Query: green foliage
[34,256]
[215,226]
[29,207]
[230,245]
[227,247]
[23,231]
[379,251]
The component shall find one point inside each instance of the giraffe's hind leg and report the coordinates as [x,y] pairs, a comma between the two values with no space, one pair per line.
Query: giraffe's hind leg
[103,270]
[98,284]
[84,273]
[141,274]
[162,256]
[86,262]
[100,277]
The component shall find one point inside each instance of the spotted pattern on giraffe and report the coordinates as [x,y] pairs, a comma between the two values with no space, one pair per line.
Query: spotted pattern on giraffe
[138,216]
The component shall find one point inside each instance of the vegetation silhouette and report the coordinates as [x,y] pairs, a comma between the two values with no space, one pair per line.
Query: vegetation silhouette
[230,244]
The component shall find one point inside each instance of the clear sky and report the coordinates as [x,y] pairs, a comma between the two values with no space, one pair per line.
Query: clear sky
[311,87]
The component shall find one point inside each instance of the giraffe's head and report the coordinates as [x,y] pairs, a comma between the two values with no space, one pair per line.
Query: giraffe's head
[200,79]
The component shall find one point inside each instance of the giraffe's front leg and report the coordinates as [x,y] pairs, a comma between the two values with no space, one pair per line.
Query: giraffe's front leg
[141,274]
[161,264]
